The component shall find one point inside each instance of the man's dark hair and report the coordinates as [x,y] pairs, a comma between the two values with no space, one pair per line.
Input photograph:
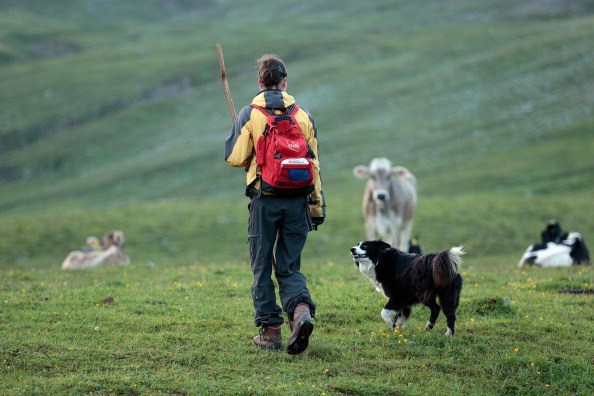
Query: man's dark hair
[271,70]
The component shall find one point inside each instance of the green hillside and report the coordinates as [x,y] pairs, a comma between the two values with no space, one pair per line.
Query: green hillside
[113,116]
[108,108]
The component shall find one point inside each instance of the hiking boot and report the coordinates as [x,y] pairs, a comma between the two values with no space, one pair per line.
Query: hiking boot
[270,338]
[301,330]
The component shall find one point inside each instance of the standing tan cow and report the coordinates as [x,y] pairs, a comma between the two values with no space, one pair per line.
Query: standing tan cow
[389,201]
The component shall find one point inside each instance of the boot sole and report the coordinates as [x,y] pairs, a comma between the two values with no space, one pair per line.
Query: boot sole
[300,342]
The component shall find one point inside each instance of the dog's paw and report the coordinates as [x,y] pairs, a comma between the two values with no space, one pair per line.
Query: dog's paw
[389,317]
[400,321]
[429,325]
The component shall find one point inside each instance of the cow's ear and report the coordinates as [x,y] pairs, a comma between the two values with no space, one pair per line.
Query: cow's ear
[118,238]
[398,172]
[361,171]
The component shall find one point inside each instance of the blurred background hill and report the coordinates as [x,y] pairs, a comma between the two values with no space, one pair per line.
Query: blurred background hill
[112,115]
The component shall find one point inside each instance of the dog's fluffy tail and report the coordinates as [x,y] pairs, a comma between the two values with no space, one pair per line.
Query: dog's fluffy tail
[446,266]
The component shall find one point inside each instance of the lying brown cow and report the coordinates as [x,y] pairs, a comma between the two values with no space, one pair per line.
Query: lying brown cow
[389,202]
[111,253]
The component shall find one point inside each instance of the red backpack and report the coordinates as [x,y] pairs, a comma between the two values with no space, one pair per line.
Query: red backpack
[283,155]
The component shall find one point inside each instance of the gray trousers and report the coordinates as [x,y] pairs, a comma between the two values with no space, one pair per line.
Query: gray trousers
[277,230]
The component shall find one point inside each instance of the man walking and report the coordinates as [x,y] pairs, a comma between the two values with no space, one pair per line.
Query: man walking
[278,222]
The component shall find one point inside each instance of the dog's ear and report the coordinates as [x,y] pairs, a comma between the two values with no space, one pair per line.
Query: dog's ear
[384,245]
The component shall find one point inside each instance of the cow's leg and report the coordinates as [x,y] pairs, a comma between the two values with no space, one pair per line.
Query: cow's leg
[393,240]
[395,223]
[435,308]
[370,227]
[404,237]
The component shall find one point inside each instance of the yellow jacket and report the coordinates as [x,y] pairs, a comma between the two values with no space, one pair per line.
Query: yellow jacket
[249,125]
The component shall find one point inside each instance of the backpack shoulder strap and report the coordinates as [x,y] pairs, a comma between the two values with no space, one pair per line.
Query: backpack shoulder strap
[269,114]
[273,118]
[262,109]
[293,109]
[291,113]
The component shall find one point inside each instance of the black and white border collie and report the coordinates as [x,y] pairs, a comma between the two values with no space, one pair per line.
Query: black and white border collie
[408,279]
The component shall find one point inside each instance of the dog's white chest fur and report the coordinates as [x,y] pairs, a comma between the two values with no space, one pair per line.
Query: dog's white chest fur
[367,268]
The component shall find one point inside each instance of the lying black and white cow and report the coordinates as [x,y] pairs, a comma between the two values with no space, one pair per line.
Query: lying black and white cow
[389,201]
[569,251]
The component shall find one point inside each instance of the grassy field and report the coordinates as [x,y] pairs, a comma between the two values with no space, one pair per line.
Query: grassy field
[186,330]
[112,116]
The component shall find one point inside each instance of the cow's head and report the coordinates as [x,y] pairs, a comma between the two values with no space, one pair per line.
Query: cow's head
[113,238]
[379,173]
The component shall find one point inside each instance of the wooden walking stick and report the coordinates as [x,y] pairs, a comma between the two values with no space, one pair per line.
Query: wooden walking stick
[225,84]
[230,103]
